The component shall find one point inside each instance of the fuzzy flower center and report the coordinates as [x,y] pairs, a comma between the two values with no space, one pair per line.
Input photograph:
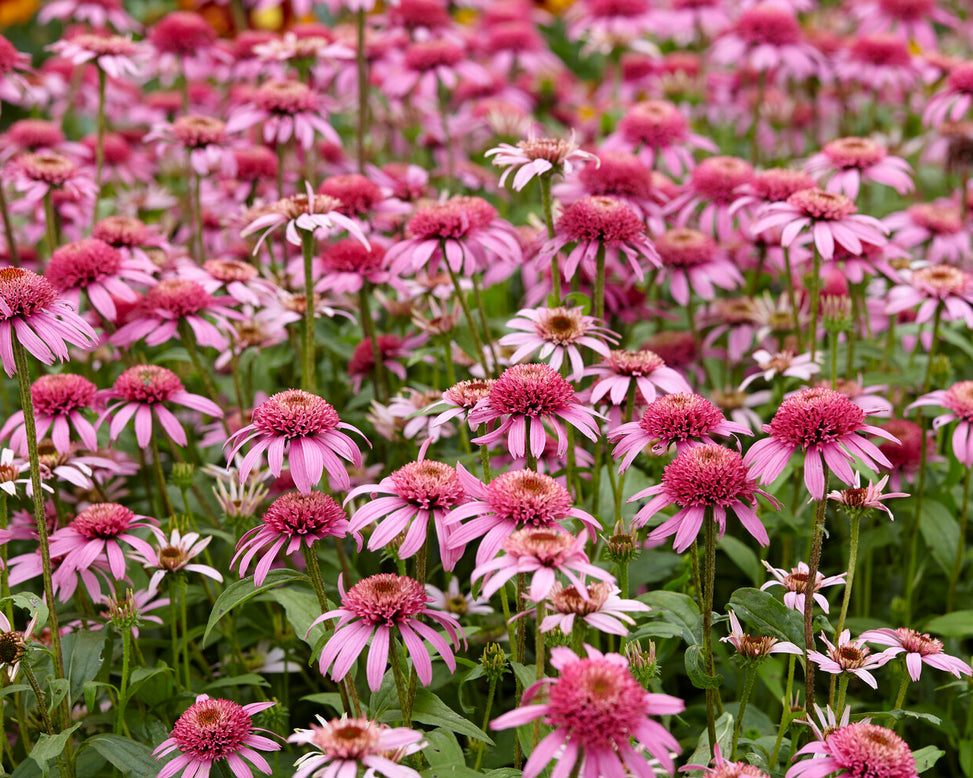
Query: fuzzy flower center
[601,219]
[466,394]
[347,738]
[568,600]
[531,390]
[176,297]
[816,416]
[172,558]
[865,750]
[298,205]
[907,10]
[919,643]
[212,729]
[708,475]
[147,384]
[350,256]
[528,498]
[684,247]
[103,521]
[941,280]
[23,293]
[554,150]
[768,25]
[717,178]
[854,152]
[456,218]
[634,363]
[196,131]
[938,219]
[428,55]
[548,545]
[884,50]
[356,193]
[680,416]
[825,206]
[12,646]
[777,184]
[561,325]
[122,231]
[608,9]
[314,514]
[105,45]
[255,163]
[959,399]
[754,647]
[960,78]
[61,394]
[34,133]
[655,123]
[295,413]
[182,33]
[598,702]
[285,97]
[428,484]
[47,166]
[619,175]
[229,270]
[386,598]
[82,262]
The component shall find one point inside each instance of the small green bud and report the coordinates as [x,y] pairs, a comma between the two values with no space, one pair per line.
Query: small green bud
[494,661]
[642,663]
[183,474]
[622,549]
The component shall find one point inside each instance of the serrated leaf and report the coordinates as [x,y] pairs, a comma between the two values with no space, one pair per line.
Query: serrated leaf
[958,624]
[131,757]
[696,669]
[766,616]
[50,747]
[243,591]
[941,533]
[926,757]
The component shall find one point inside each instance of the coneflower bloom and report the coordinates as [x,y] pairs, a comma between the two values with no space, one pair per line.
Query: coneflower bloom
[784,364]
[511,501]
[795,582]
[824,425]
[827,218]
[43,323]
[536,157]
[700,478]
[694,262]
[855,750]
[413,495]
[13,65]
[712,188]
[345,745]
[593,224]
[425,66]
[291,522]
[97,534]
[307,429]
[623,176]
[931,287]
[682,419]
[861,499]
[216,730]
[557,333]
[101,271]
[756,647]
[849,656]
[119,56]
[204,140]
[770,186]
[845,163]
[36,174]
[954,100]
[643,369]
[59,400]
[958,401]
[345,266]
[529,395]
[938,225]
[723,769]
[597,604]
[919,649]
[596,707]
[174,553]
[461,398]
[541,552]
[372,608]
[284,109]
[141,392]
[97,13]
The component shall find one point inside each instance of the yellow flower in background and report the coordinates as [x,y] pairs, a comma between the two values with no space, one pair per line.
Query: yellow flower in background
[16,12]
[556,7]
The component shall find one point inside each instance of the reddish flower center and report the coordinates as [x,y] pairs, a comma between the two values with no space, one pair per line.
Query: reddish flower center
[777,184]
[61,394]
[708,475]
[295,413]
[172,558]
[528,498]
[212,729]
[531,390]
[882,50]
[608,9]
[147,384]
[196,131]
[47,166]
[255,163]
[959,399]
[547,545]
[619,174]
[182,33]
[816,416]
[313,514]
[768,25]
[863,750]
[569,600]
[937,218]
[466,394]
[684,247]
[386,599]
[601,219]
[941,280]
[634,363]
[854,152]
[960,78]
[421,13]
[515,36]
[103,520]
[680,416]
[81,263]
[350,256]
[919,643]
[428,484]
[228,270]
[907,10]
[9,56]
[818,204]
[428,55]
[356,193]
[122,231]
[285,97]
[909,434]
[176,297]
[717,178]
[351,739]
[105,45]
[34,133]
[23,293]
[654,123]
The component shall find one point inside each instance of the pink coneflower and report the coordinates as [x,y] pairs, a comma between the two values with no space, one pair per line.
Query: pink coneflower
[213,731]
[39,173]
[392,350]
[284,109]
[345,745]
[795,582]
[682,419]
[176,552]
[558,333]
[101,271]
[128,234]
[239,279]
[371,609]
[938,224]
[541,552]
[461,398]
[97,13]
[158,315]
[464,231]
[694,262]
[141,391]
[420,491]
[622,176]
[861,499]
[786,364]
[596,224]
[607,24]
[919,649]
[58,404]
[847,162]
[595,708]
[755,647]
[346,265]
[849,656]
[10,468]
[722,768]
[712,186]
[117,55]
[97,533]
[644,369]
[700,478]
[823,424]
[182,33]
[529,395]
[291,522]
[536,157]
[958,401]
[597,604]
[911,20]
[933,287]
[770,186]
[826,217]
[13,65]
[767,38]
[203,138]
[307,429]
[954,100]
[43,323]
[511,501]
[878,61]
[856,750]
[657,130]
[361,198]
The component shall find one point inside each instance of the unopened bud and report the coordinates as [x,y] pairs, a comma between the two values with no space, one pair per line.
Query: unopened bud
[622,549]
[836,313]
[123,614]
[641,662]
[183,474]
[494,661]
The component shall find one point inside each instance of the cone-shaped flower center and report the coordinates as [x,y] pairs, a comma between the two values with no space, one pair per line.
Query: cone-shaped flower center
[528,498]
[295,413]
[103,520]
[147,384]
[386,599]
[428,484]
[530,390]
[865,750]
[601,219]
[313,514]
[82,262]
[680,416]
[815,416]
[654,123]
[61,393]
[23,293]
[212,729]
[708,475]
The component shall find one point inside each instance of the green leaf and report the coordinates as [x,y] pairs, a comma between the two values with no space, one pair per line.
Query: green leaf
[941,533]
[34,605]
[724,729]
[131,757]
[82,659]
[243,591]
[677,609]
[140,675]
[900,713]
[966,757]
[958,624]
[768,616]
[302,607]
[926,757]
[451,771]
[429,709]
[443,748]
[50,747]
[696,669]
[13,689]
[331,699]
[743,557]
[247,679]
[526,675]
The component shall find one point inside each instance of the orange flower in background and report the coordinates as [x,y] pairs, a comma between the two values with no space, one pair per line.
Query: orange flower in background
[16,12]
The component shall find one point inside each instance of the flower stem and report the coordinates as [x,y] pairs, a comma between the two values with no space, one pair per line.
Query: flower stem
[484,455]
[961,545]
[815,303]
[481,747]
[785,714]
[50,220]
[317,582]
[528,452]
[478,296]
[99,143]
[812,575]
[464,304]
[362,67]
[903,687]
[539,651]
[174,630]
[400,687]
[749,678]
[8,230]
[842,690]
[123,689]
[309,379]
[160,479]
[41,702]
[368,332]
[792,299]
[599,301]
[709,571]
[549,222]
[850,578]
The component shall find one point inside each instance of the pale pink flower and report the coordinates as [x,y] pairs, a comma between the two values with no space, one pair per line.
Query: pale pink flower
[461,398]
[453,601]
[862,498]
[610,21]
[878,61]
[958,401]
[773,185]
[216,730]
[117,55]
[284,110]
[97,13]
[307,429]
[795,582]
[643,369]
[703,477]
[13,67]
[854,750]
[849,656]
[595,708]
[783,363]
[722,768]
[712,190]
[933,287]
[59,400]
[141,392]
[176,552]
[937,226]
[203,138]
[597,604]
[694,263]
[912,21]
[372,608]
[756,647]
[345,745]
[919,649]
[36,174]
[536,157]
[847,162]
[424,66]
[954,100]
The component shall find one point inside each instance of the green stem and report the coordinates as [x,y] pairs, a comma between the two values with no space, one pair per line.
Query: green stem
[834,359]
[368,331]
[308,377]
[482,747]
[903,687]
[815,303]
[539,652]
[842,691]
[317,582]
[361,62]
[961,546]
[41,702]
[400,687]
[812,575]
[481,308]
[850,578]
[531,459]
[99,143]
[792,299]
[484,455]
[749,677]
[123,690]
[599,301]
[160,479]
[8,230]
[785,714]
[184,636]
[549,222]
[200,224]
[8,607]
[464,304]
[174,629]
[50,219]
[707,613]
